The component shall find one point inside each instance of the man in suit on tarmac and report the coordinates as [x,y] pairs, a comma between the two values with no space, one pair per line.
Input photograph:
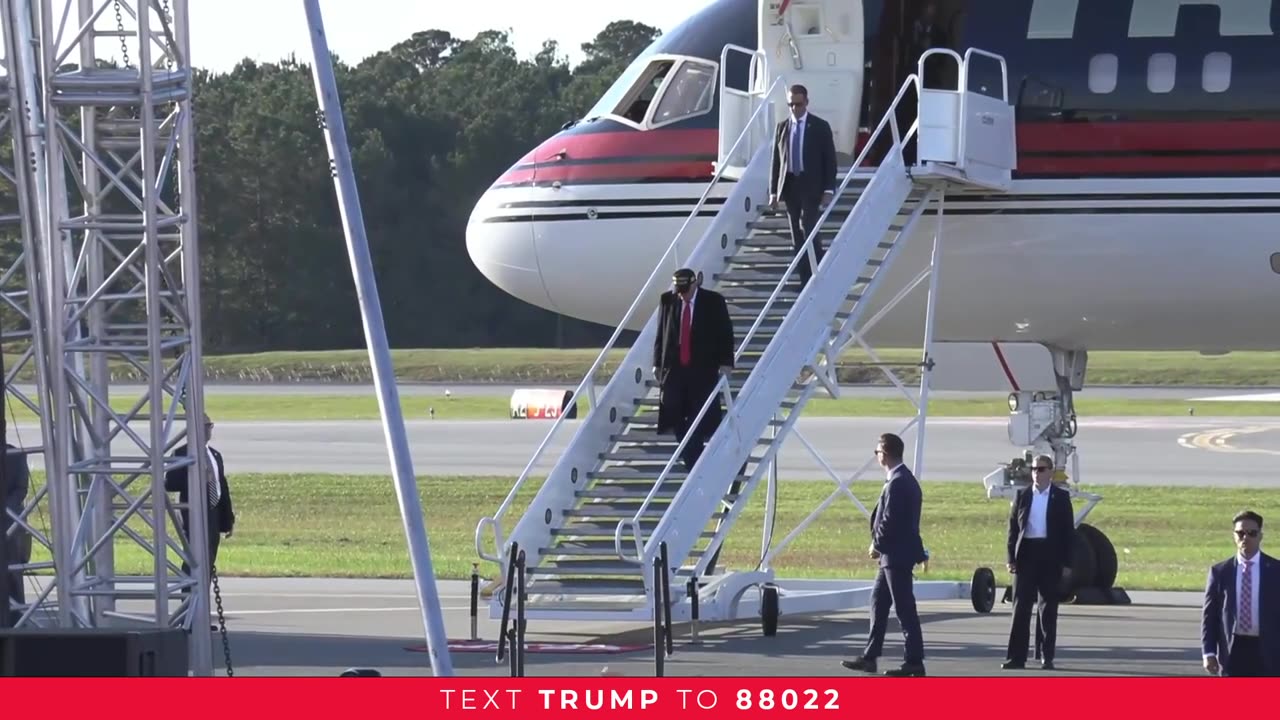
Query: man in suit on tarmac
[1240,626]
[896,543]
[803,172]
[693,347]
[1041,532]
[217,496]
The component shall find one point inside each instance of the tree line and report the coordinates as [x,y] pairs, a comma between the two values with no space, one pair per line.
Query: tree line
[431,123]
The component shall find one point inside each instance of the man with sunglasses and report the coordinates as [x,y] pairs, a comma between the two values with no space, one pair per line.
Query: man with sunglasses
[1240,626]
[1041,532]
[803,172]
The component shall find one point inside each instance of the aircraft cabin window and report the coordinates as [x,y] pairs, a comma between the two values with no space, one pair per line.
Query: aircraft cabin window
[1217,72]
[1103,70]
[636,103]
[1161,70]
[690,92]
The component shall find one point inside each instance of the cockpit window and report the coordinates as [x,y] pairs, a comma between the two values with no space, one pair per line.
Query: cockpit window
[687,87]
[689,93]
[636,104]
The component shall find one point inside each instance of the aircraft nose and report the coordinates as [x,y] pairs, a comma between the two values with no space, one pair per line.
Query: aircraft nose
[500,242]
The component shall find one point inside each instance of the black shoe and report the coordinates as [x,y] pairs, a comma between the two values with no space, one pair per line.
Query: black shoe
[864,664]
[1013,665]
[1046,665]
[907,670]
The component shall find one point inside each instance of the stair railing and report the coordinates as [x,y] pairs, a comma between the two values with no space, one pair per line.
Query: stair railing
[494,522]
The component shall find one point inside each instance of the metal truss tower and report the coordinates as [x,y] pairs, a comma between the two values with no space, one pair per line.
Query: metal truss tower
[100,117]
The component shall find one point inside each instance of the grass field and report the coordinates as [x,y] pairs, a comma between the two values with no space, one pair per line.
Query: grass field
[347,407]
[348,526]
[540,365]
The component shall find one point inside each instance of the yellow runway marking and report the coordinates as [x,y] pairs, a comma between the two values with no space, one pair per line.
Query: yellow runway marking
[1218,440]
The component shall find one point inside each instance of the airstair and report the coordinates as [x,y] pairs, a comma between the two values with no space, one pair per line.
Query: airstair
[618,493]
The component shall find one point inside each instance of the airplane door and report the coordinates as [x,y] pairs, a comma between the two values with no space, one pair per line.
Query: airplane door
[819,44]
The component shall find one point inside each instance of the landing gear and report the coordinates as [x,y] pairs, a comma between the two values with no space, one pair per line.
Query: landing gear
[1044,421]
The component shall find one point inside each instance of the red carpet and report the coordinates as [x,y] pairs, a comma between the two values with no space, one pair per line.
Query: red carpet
[487,646]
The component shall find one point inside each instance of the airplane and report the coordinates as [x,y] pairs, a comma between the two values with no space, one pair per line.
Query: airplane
[1141,214]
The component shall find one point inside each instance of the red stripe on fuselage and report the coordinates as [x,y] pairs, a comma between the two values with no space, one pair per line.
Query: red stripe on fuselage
[1085,149]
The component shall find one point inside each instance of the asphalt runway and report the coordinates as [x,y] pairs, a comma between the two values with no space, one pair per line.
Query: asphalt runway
[323,626]
[1129,451]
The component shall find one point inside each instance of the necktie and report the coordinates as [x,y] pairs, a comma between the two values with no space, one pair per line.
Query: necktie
[797,155]
[1245,622]
[212,487]
[686,325]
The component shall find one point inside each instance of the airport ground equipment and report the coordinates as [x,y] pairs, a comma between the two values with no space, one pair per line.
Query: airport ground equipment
[615,496]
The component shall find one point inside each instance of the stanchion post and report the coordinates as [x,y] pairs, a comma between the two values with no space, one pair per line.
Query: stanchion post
[520,622]
[475,601]
[666,597]
[693,611]
[659,644]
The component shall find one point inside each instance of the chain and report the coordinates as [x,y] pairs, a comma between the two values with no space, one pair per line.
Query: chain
[168,19]
[124,46]
[222,620]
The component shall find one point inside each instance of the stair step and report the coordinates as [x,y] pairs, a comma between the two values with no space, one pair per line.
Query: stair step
[589,549]
[624,513]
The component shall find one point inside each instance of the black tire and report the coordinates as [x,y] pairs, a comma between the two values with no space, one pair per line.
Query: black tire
[1083,567]
[983,590]
[769,610]
[360,672]
[1106,565]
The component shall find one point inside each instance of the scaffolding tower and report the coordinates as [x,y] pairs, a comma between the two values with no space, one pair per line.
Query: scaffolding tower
[102,302]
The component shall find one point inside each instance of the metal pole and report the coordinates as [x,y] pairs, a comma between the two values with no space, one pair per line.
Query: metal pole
[926,372]
[4,499]
[379,353]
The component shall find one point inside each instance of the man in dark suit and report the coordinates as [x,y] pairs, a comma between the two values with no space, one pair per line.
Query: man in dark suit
[18,542]
[803,172]
[1240,627]
[896,543]
[217,495]
[1041,532]
[694,346]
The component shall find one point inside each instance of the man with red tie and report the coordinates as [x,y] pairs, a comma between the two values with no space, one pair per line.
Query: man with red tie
[693,347]
[1240,626]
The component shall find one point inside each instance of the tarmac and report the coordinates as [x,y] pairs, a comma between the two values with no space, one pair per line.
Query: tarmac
[321,627]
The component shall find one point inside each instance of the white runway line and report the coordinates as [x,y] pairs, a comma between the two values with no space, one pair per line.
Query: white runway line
[1254,397]
[287,611]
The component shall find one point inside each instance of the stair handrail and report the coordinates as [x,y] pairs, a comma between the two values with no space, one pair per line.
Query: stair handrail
[494,521]
[889,120]
[721,388]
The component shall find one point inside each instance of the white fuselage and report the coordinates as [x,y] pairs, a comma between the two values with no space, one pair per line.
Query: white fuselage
[1098,264]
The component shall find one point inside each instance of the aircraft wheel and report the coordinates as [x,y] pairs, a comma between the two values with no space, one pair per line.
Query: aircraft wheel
[983,590]
[1083,567]
[1106,565]
[769,610]
[360,672]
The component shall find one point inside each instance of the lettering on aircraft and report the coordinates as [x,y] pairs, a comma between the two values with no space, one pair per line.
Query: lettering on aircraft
[1056,19]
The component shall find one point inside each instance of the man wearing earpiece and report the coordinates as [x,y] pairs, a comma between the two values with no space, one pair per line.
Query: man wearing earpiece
[693,348]
[1240,625]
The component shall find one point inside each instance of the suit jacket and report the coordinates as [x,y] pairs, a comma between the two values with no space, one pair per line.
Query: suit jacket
[223,516]
[1218,620]
[895,522]
[1059,521]
[711,334]
[819,151]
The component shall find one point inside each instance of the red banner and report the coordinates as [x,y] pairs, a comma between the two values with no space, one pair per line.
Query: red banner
[524,698]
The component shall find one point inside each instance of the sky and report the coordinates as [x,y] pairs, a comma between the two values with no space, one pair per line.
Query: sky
[225,31]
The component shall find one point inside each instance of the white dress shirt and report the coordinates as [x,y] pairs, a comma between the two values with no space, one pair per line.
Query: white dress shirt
[1037,525]
[1255,570]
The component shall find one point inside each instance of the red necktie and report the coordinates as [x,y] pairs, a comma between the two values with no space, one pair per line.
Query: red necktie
[686,323]
[1245,621]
